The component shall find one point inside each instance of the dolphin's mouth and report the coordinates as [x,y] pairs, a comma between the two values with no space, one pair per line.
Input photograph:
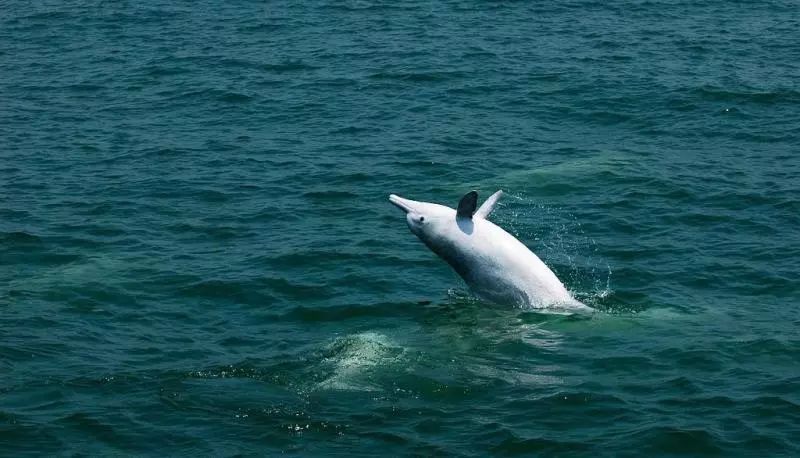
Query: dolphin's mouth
[400,203]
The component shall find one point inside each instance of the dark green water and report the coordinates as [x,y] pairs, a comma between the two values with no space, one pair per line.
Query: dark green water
[198,257]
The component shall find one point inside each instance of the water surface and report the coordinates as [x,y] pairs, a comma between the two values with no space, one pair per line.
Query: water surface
[198,257]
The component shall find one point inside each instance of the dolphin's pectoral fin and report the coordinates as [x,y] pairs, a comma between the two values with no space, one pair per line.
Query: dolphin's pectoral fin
[467,205]
[488,205]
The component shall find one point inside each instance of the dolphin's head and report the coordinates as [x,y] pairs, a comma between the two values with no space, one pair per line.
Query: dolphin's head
[446,231]
[424,218]
[441,228]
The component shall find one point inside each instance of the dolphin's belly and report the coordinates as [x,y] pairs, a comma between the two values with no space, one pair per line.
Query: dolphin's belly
[523,288]
[497,289]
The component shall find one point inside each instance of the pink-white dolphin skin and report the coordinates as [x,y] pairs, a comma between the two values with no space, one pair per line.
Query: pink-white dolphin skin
[495,265]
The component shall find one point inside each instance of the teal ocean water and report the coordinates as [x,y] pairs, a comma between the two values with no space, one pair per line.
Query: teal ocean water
[198,256]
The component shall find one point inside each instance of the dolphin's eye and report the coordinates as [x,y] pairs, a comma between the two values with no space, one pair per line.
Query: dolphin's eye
[421,219]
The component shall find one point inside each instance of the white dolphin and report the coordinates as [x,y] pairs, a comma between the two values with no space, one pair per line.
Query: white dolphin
[494,264]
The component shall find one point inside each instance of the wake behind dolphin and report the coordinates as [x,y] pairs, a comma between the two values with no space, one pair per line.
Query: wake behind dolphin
[494,264]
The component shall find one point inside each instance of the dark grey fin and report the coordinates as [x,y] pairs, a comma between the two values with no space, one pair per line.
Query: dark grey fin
[467,205]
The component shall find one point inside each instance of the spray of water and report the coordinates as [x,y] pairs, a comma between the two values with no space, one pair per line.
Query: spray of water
[559,239]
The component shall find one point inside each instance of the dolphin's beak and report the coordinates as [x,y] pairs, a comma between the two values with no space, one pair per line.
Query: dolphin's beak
[402,204]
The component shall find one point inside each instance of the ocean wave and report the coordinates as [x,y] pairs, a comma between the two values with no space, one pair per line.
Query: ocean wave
[720,94]
[418,76]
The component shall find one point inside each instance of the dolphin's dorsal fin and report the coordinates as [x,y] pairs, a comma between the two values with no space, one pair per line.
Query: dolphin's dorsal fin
[488,205]
[467,205]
